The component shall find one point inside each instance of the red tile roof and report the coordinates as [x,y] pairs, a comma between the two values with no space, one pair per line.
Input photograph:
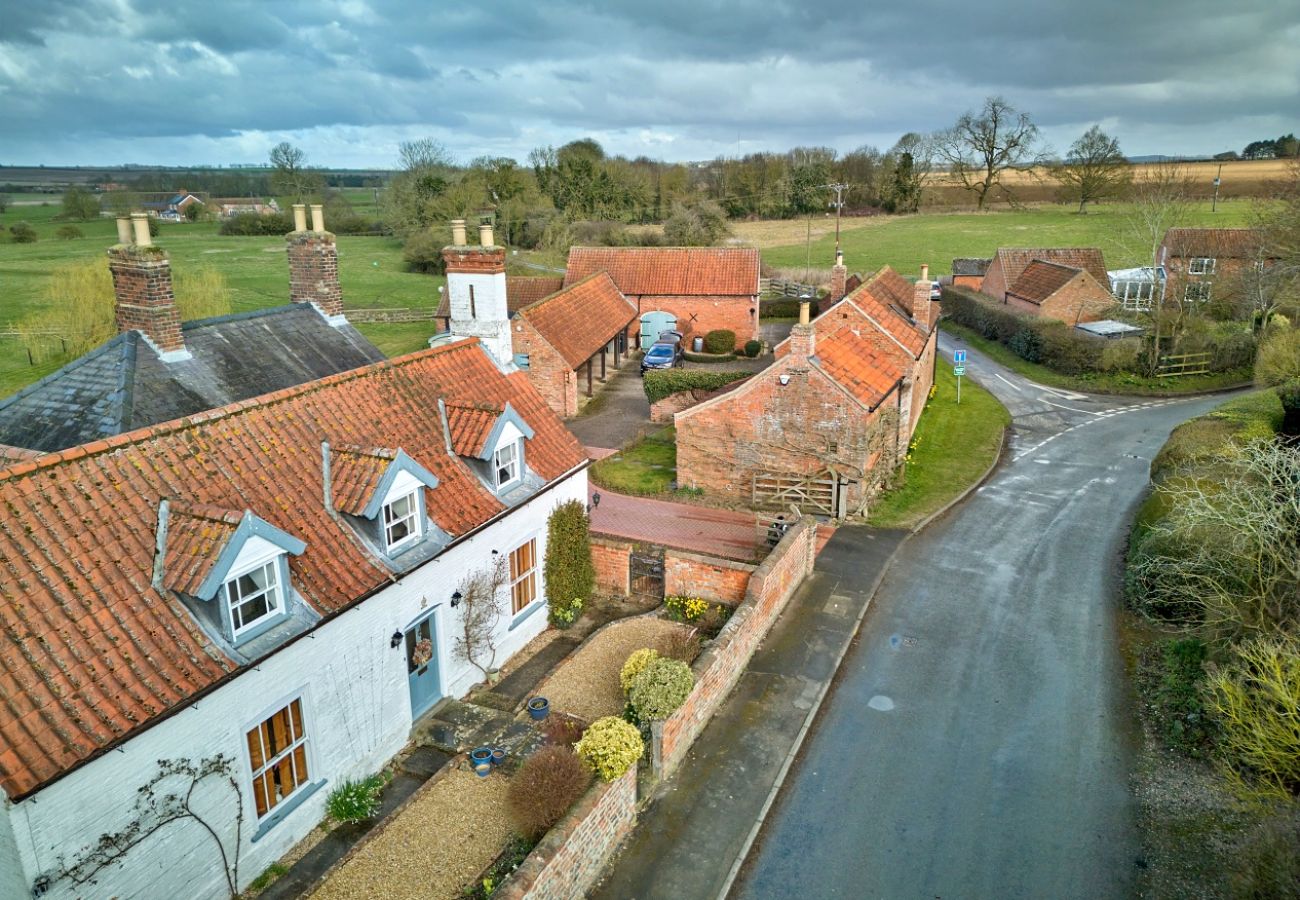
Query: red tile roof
[1041,280]
[470,427]
[1015,260]
[886,296]
[354,475]
[1216,243]
[670,271]
[93,652]
[582,318]
[196,534]
[868,373]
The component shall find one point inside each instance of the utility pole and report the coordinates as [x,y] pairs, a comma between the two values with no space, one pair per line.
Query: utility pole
[839,190]
[1214,204]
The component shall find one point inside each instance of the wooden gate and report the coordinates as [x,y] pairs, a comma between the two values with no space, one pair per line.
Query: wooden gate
[1183,364]
[819,492]
[646,573]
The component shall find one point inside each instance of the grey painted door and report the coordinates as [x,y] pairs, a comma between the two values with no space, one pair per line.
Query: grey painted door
[654,322]
[422,664]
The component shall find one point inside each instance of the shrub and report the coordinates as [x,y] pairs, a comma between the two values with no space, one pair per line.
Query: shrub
[252,224]
[1255,697]
[660,383]
[611,747]
[1268,861]
[1289,394]
[422,252]
[753,348]
[682,644]
[546,786]
[636,662]
[561,729]
[720,340]
[355,801]
[660,688]
[69,233]
[569,574]
[778,309]
[22,233]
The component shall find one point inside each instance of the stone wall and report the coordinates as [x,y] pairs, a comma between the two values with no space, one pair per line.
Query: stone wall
[610,557]
[693,575]
[718,669]
[573,854]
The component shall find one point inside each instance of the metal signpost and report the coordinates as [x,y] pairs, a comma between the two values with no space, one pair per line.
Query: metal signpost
[959,369]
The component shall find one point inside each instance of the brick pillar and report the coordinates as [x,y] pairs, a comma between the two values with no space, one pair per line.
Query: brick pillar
[143,298]
[314,270]
[921,299]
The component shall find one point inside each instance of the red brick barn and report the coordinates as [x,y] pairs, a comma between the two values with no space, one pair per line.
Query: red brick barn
[1053,291]
[562,339]
[1010,263]
[818,428]
[968,272]
[692,289]
[1204,265]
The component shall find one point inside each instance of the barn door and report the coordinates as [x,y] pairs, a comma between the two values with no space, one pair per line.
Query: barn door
[652,323]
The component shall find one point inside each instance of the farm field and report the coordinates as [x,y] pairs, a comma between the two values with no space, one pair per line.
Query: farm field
[905,242]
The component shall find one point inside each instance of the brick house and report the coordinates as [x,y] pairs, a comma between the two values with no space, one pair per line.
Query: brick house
[692,289]
[1054,291]
[968,271]
[276,582]
[558,339]
[159,368]
[825,425]
[1206,264]
[1009,263]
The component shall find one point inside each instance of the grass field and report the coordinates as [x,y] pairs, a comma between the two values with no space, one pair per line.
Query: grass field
[953,446]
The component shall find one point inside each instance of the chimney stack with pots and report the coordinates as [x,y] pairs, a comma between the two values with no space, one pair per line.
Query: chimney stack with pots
[803,338]
[921,299]
[839,280]
[142,289]
[314,264]
[476,291]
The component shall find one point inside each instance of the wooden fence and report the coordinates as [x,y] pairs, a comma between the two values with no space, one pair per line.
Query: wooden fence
[778,288]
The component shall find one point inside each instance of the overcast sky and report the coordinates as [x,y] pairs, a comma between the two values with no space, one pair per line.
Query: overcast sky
[221,81]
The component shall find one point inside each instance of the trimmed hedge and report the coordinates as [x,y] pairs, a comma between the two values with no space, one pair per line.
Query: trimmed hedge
[659,384]
[720,340]
[246,224]
[660,688]
[753,348]
[778,309]
[569,574]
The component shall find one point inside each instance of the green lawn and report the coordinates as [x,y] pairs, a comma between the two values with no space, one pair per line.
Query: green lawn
[1099,382]
[905,242]
[953,446]
[645,467]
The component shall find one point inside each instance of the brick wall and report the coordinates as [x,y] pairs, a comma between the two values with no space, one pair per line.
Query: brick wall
[314,271]
[142,288]
[547,370]
[567,862]
[700,315]
[1080,299]
[693,575]
[662,411]
[718,669]
[610,558]
[921,382]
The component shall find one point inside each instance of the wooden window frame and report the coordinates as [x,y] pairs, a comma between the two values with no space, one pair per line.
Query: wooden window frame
[1201,265]
[1202,288]
[289,759]
[516,449]
[523,584]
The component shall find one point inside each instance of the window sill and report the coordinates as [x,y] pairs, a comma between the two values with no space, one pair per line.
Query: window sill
[284,809]
[526,613]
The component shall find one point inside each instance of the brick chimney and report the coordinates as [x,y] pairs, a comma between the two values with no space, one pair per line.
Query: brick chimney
[921,299]
[476,291]
[803,339]
[314,263]
[142,289]
[839,279]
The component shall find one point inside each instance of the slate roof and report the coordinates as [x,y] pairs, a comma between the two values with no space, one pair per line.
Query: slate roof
[971,265]
[1014,261]
[1217,243]
[670,271]
[1041,280]
[123,384]
[521,290]
[858,365]
[581,318]
[93,653]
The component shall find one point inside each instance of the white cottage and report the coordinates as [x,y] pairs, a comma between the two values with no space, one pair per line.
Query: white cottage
[267,593]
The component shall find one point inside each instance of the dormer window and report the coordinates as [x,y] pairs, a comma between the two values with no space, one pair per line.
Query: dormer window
[507,464]
[402,522]
[254,597]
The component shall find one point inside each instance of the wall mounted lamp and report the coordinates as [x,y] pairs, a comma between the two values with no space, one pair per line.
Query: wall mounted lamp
[457,596]
[395,639]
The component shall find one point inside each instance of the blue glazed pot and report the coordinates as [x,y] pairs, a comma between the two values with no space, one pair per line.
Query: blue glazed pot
[480,755]
[498,755]
[539,708]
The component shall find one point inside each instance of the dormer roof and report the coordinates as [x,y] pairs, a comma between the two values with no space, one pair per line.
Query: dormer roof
[361,476]
[202,542]
[476,430]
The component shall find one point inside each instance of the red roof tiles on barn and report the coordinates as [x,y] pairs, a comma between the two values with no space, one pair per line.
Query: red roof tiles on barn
[1013,261]
[670,271]
[581,318]
[1041,280]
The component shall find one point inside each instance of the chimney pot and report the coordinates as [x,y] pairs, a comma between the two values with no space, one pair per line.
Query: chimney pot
[485,235]
[317,217]
[299,217]
[925,271]
[140,222]
[458,232]
[803,312]
[124,230]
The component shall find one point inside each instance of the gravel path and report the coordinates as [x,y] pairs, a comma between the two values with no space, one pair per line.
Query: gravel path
[587,685]
[433,848]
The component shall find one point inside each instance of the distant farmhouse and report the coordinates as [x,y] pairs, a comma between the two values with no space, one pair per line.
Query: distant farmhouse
[236,206]
[170,207]
[1069,284]
[159,368]
[1204,264]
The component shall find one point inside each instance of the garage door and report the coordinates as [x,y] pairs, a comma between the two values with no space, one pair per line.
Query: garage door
[652,323]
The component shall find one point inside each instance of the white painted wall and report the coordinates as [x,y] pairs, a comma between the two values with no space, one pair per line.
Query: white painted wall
[491,321]
[357,712]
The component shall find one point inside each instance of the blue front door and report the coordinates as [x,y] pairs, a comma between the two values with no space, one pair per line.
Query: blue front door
[422,665]
[654,322]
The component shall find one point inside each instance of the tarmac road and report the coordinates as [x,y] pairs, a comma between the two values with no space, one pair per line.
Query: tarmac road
[978,741]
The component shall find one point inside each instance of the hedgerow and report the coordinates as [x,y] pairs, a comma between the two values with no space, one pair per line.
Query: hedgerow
[660,384]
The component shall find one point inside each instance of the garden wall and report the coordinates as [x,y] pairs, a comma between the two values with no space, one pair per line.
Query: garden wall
[610,557]
[718,669]
[662,411]
[709,577]
[572,855]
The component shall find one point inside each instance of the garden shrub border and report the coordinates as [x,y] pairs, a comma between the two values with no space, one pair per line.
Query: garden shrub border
[663,383]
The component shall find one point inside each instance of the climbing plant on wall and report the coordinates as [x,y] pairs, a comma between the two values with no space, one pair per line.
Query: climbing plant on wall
[569,573]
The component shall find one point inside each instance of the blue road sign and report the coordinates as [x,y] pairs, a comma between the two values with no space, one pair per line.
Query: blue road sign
[959,356]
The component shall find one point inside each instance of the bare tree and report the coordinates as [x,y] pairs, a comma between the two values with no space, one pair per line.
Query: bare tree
[291,177]
[982,146]
[1160,200]
[480,601]
[1093,170]
[424,154]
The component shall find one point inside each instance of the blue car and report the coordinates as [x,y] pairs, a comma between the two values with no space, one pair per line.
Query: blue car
[661,355]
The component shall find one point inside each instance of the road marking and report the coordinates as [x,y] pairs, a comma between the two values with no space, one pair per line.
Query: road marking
[1007,383]
[1070,408]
